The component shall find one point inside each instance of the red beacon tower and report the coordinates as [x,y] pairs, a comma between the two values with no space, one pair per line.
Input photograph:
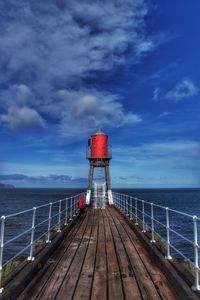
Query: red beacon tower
[99,155]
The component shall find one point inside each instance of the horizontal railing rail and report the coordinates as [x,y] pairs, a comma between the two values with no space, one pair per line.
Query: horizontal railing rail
[161,222]
[42,222]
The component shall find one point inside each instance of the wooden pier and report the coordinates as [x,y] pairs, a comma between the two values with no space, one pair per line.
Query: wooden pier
[101,257]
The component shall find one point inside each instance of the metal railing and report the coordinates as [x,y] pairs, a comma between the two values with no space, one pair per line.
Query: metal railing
[42,222]
[161,223]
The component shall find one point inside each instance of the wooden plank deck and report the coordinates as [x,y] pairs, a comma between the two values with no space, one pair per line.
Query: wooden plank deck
[101,258]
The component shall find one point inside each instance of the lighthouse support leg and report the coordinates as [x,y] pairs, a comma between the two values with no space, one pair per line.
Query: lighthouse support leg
[110,196]
[90,177]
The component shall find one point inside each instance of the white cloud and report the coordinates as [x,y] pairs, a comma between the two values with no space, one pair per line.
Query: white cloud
[166,164]
[145,46]
[46,48]
[185,89]
[92,109]
[156,94]
[163,155]
[164,114]
[21,93]
[22,118]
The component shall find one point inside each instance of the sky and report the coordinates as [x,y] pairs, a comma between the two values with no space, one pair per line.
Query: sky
[129,67]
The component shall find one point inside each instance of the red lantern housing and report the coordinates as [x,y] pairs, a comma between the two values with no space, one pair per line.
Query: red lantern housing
[99,145]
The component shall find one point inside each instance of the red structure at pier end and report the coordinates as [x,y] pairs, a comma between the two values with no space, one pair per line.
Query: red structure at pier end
[99,145]
[99,156]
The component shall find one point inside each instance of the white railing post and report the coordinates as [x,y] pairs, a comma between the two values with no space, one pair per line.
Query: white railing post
[77,203]
[152,225]
[124,200]
[59,216]
[1,250]
[143,217]
[131,208]
[120,197]
[74,206]
[196,286]
[31,257]
[127,212]
[71,208]
[49,224]
[168,256]
[136,212]
[66,212]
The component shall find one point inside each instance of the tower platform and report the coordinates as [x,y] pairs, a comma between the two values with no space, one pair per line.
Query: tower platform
[101,257]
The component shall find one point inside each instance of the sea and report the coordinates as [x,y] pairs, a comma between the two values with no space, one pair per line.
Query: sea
[14,200]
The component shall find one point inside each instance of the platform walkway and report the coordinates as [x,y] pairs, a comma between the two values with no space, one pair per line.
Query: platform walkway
[101,258]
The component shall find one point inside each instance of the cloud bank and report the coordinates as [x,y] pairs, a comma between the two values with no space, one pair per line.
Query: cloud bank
[52,53]
[170,154]
[46,180]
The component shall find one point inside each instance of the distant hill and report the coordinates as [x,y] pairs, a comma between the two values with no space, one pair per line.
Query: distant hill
[3,186]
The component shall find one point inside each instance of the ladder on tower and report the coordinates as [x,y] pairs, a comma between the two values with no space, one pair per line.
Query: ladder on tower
[99,189]
[99,195]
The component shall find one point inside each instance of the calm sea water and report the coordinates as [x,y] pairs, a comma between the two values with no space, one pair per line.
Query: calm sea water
[185,200]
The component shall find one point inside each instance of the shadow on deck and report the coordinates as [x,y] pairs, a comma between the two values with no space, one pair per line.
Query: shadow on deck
[101,258]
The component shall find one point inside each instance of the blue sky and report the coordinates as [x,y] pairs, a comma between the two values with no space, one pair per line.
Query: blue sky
[129,67]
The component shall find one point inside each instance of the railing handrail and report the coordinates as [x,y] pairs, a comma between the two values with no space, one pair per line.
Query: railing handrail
[70,210]
[161,206]
[37,207]
[130,209]
[68,207]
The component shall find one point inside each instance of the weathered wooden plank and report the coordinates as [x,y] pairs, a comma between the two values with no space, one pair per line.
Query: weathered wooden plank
[176,277]
[130,286]
[34,288]
[99,288]
[115,289]
[102,258]
[142,276]
[160,281]
[69,283]
[84,285]
[20,279]
[52,286]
